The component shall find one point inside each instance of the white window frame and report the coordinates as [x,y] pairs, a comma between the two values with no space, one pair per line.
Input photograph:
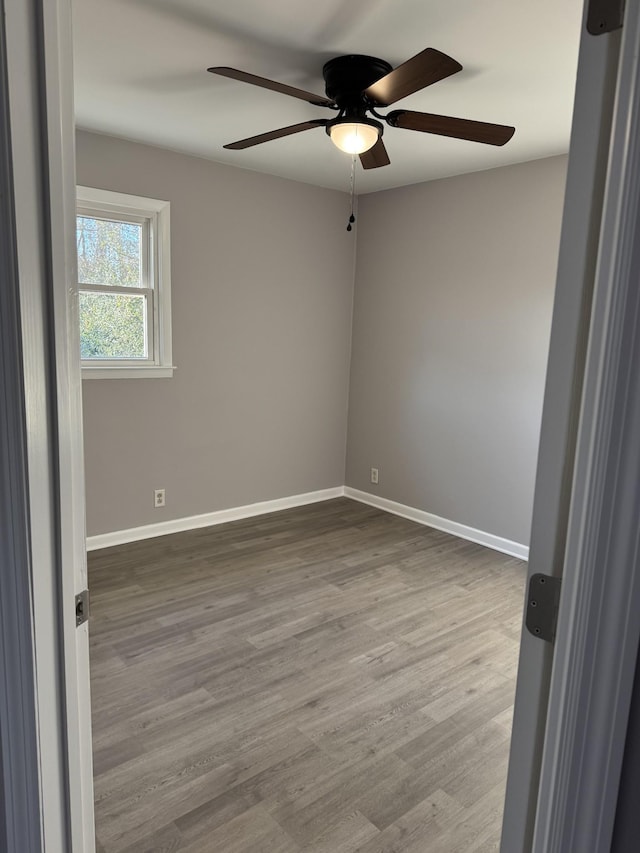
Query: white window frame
[154,216]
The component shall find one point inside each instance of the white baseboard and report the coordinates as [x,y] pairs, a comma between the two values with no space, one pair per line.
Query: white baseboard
[208,519]
[514,549]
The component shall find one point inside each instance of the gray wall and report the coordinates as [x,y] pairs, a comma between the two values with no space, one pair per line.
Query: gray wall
[262,288]
[452,312]
[453,298]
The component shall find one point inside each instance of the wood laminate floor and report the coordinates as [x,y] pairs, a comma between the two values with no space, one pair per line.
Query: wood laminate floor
[330,679]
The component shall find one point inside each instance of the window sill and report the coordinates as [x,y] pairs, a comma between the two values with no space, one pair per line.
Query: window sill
[151,372]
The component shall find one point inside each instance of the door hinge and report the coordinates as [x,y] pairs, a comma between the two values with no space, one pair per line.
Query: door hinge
[543,601]
[82,607]
[603,16]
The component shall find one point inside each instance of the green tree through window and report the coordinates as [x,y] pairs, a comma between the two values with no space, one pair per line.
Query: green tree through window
[111,326]
[109,252]
[124,285]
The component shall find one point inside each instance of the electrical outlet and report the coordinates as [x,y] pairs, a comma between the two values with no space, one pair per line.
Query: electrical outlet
[158,498]
[374,476]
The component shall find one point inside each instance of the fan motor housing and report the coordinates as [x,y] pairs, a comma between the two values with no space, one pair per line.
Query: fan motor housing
[347,76]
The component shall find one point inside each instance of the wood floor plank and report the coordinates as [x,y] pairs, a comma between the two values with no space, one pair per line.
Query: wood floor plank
[417,829]
[328,679]
[167,839]
[253,831]
[331,800]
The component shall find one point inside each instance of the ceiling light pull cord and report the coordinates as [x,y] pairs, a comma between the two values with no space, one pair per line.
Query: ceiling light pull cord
[352,217]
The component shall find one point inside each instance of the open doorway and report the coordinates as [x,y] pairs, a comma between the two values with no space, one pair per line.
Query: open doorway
[302,654]
[46,205]
[269,344]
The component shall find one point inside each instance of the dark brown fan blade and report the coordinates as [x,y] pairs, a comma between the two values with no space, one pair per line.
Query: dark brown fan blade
[245,77]
[459,128]
[375,157]
[276,134]
[421,70]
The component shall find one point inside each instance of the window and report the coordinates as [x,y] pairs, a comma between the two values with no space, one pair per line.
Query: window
[124,288]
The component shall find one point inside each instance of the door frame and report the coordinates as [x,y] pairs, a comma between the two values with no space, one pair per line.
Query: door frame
[61,194]
[598,628]
[57,488]
[20,812]
[582,215]
[571,726]
[47,395]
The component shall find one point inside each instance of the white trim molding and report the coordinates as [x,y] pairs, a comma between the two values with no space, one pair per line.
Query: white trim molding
[209,519]
[146,372]
[462,531]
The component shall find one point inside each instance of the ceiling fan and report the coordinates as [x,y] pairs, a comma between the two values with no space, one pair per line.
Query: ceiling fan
[357,85]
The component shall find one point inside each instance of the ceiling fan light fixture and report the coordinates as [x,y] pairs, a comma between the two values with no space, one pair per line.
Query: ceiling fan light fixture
[354,136]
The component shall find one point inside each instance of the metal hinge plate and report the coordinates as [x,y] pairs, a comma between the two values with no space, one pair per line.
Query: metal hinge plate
[82,607]
[543,601]
[604,16]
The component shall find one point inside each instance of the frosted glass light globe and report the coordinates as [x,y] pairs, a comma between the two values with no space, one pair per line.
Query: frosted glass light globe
[354,137]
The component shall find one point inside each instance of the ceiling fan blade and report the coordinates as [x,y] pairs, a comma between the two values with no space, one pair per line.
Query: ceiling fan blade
[276,134]
[459,128]
[422,70]
[375,157]
[245,77]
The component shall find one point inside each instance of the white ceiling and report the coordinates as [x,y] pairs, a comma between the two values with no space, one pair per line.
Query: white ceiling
[140,68]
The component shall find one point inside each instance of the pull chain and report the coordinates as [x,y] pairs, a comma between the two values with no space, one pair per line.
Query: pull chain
[352,217]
